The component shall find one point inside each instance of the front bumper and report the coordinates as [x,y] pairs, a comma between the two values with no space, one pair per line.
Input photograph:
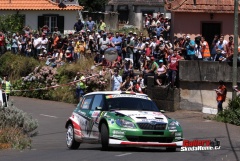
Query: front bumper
[145,144]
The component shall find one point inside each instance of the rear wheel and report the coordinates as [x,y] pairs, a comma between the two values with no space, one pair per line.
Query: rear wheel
[71,142]
[104,137]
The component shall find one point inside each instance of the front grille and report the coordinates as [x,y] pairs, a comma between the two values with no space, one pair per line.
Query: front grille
[148,126]
[150,139]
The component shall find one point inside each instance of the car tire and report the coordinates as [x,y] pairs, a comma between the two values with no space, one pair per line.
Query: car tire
[170,149]
[104,137]
[70,138]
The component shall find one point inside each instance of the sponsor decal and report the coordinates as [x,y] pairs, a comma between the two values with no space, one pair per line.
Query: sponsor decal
[200,145]
[95,113]
[117,136]
[118,132]
[125,95]
[111,121]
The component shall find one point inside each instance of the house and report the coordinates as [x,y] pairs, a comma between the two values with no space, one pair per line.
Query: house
[131,12]
[201,17]
[43,12]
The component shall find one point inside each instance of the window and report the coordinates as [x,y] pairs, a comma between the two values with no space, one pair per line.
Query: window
[51,21]
[86,103]
[97,102]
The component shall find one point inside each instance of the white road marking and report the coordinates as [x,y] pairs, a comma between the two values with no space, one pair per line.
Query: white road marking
[48,116]
[123,154]
[207,121]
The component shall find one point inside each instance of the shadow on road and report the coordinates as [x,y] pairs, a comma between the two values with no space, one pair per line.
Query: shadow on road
[230,141]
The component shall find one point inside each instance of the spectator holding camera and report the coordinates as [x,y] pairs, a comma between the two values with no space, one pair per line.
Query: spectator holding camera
[221,92]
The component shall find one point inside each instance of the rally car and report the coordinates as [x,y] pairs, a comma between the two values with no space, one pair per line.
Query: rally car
[121,118]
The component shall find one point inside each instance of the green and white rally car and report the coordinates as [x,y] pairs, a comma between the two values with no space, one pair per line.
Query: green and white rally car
[121,118]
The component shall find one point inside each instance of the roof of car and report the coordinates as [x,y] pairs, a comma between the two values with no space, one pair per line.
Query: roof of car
[115,92]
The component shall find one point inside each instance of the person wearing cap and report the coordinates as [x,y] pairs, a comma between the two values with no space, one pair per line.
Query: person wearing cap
[150,72]
[78,26]
[116,80]
[161,73]
[56,31]
[90,24]
[221,92]
[190,47]
[45,29]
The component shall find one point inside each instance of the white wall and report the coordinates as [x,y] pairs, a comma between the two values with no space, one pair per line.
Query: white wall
[70,17]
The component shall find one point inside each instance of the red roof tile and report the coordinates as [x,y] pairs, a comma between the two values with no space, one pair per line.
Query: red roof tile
[209,6]
[137,2]
[34,5]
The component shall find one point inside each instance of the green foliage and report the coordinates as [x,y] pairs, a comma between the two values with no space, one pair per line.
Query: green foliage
[16,66]
[11,23]
[16,127]
[232,113]
[93,5]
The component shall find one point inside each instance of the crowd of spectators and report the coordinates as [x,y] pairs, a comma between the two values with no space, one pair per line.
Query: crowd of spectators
[151,54]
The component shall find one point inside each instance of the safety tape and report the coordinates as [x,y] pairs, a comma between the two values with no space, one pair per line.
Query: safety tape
[51,87]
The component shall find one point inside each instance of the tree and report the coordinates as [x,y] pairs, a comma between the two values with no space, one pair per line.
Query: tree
[11,23]
[93,5]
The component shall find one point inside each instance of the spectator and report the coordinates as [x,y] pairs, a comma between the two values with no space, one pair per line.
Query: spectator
[221,92]
[136,87]
[104,43]
[213,47]
[56,31]
[230,49]
[98,59]
[173,68]
[116,81]
[205,49]
[129,44]
[161,73]
[127,85]
[14,44]
[78,26]
[150,72]
[116,43]
[220,50]
[90,24]
[127,67]
[102,26]
[45,29]
[190,48]
[80,49]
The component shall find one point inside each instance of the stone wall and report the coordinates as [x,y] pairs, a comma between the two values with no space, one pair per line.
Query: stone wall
[197,81]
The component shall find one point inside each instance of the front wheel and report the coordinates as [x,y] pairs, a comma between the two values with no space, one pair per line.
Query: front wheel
[71,142]
[104,137]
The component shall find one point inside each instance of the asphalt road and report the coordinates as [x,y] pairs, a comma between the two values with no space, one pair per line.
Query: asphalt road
[49,144]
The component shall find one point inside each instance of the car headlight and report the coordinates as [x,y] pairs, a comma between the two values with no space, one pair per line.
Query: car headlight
[125,123]
[173,125]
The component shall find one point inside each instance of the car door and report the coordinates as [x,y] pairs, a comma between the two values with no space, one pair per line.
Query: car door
[84,117]
[94,114]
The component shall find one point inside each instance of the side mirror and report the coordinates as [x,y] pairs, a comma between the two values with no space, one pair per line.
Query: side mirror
[162,111]
[98,108]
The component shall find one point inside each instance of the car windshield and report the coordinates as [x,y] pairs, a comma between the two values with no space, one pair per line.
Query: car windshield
[130,103]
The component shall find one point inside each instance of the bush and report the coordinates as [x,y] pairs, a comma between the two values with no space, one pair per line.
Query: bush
[16,66]
[16,127]
[232,113]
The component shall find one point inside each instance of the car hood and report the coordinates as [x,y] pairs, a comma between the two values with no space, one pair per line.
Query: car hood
[144,116]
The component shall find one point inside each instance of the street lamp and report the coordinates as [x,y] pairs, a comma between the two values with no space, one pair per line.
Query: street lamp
[234,70]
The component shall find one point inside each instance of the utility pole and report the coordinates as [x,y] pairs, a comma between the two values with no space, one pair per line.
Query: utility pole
[235,55]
